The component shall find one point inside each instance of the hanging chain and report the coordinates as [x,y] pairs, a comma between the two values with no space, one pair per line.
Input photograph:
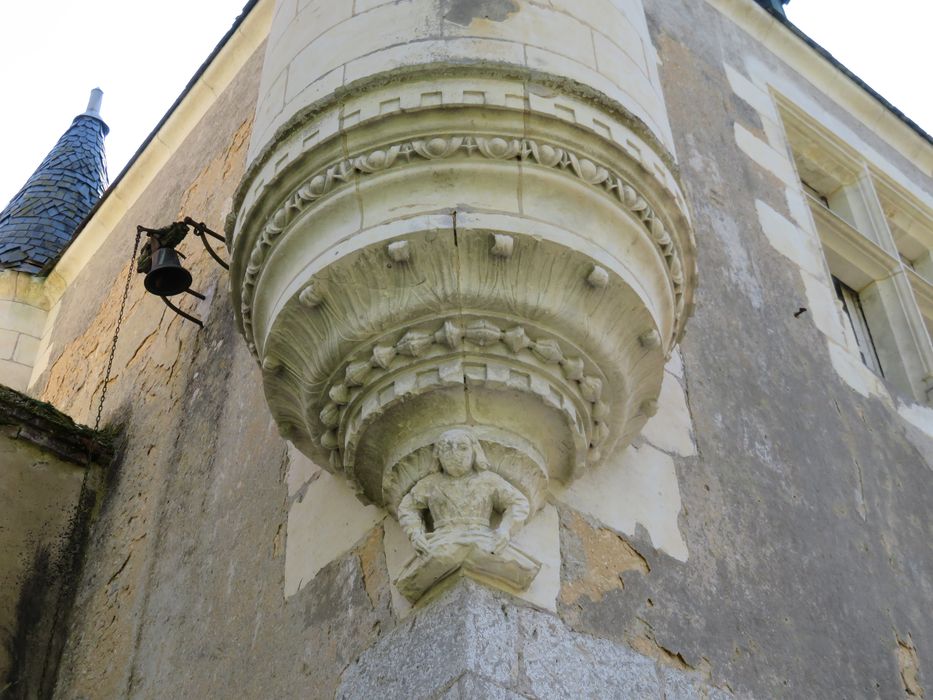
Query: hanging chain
[116,330]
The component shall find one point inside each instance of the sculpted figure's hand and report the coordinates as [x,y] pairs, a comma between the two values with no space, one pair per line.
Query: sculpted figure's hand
[420,542]
[502,540]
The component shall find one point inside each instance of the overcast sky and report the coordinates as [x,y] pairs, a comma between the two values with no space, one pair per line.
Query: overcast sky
[142,53]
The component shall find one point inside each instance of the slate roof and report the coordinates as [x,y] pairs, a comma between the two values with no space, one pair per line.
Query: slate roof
[775,7]
[41,219]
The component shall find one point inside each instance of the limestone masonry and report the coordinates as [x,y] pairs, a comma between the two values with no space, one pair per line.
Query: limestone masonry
[568,348]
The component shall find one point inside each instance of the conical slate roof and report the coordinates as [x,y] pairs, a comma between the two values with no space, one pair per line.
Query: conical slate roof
[41,219]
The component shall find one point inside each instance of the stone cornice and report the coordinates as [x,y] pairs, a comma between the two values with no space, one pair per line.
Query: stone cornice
[50,429]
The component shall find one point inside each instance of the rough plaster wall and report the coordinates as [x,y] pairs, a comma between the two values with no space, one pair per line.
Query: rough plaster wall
[806,511]
[156,365]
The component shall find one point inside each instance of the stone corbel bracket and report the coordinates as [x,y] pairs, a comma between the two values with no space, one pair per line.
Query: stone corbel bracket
[402,264]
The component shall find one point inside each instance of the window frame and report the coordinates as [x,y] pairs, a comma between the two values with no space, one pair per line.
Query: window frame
[855,313]
[891,335]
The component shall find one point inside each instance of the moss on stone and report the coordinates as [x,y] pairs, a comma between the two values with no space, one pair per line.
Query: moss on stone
[44,425]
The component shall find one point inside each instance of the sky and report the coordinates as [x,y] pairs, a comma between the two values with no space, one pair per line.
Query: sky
[886,43]
[142,53]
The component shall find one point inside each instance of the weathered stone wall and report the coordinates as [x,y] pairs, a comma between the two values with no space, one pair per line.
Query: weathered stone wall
[50,476]
[24,306]
[40,494]
[802,564]
[806,510]
[168,384]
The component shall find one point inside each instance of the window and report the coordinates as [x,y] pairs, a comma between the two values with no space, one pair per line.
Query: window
[852,307]
[876,233]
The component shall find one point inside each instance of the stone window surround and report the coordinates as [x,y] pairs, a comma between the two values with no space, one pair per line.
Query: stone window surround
[860,249]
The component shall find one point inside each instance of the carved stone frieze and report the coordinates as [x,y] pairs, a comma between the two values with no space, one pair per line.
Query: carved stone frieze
[500,354]
[342,397]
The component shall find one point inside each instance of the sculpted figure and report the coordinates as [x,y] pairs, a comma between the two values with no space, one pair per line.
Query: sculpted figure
[462,498]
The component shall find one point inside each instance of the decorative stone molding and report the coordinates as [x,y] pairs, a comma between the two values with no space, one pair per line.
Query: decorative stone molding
[438,147]
[507,357]
[482,249]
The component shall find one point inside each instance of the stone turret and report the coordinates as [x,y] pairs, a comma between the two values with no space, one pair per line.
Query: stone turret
[461,216]
[36,226]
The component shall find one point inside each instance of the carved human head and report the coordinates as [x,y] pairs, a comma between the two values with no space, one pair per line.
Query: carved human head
[458,452]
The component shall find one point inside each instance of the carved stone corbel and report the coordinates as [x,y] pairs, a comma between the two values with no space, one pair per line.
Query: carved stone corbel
[476,262]
[460,512]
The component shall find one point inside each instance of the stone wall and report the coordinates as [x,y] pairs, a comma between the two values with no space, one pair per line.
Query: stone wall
[40,493]
[24,306]
[50,473]
[768,536]
[168,383]
[317,48]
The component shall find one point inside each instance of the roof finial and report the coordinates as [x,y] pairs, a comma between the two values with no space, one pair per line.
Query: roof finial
[93,103]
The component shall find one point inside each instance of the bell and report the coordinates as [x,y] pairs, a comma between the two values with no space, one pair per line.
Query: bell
[167,277]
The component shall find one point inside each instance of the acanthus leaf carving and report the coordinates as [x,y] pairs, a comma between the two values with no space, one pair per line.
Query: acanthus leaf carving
[383,356]
[339,394]
[516,339]
[450,335]
[573,368]
[548,350]
[330,415]
[356,373]
[591,388]
[413,343]
[483,333]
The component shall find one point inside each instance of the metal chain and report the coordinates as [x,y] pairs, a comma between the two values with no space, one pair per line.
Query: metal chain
[116,331]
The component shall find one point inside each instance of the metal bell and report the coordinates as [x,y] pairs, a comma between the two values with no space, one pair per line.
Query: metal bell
[167,277]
